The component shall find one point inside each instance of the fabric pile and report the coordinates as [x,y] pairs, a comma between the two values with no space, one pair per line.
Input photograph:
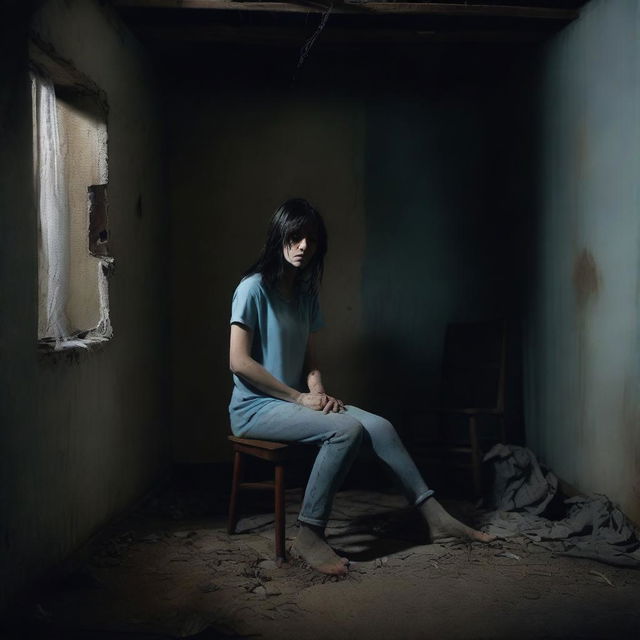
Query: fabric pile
[525,501]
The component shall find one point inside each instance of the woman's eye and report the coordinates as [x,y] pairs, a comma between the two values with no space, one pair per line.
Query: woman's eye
[299,238]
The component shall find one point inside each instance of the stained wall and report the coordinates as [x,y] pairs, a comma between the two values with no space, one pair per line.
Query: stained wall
[582,341]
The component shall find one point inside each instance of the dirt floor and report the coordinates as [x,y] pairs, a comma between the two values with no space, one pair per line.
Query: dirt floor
[170,570]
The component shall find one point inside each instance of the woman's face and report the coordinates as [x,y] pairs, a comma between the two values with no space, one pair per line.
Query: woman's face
[301,248]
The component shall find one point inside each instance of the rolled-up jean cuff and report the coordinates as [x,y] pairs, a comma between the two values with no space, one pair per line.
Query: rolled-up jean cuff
[423,496]
[313,521]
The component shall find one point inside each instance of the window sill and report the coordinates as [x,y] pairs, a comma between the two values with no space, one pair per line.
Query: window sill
[73,344]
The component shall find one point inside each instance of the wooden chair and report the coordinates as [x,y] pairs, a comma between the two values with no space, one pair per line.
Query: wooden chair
[279,454]
[473,381]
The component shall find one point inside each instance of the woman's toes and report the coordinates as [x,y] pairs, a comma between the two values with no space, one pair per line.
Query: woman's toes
[314,550]
[481,536]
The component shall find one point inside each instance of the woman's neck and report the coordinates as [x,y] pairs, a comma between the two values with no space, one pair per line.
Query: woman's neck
[286,283]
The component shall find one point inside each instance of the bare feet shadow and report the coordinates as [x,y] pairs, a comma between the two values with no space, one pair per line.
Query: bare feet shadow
[372,536]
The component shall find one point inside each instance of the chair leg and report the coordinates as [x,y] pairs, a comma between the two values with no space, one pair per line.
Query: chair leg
[475,456]
[280,514]
[238,468]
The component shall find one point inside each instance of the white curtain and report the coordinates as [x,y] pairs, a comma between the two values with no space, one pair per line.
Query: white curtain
[53,212]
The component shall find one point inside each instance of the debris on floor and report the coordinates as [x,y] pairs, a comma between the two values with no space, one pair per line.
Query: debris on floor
[170,570]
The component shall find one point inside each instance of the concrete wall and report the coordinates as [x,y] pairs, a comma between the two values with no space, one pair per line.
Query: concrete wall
[407,159]
[83,434]
[582,342]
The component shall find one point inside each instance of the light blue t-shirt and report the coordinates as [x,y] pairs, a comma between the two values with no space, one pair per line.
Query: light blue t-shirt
[281,331]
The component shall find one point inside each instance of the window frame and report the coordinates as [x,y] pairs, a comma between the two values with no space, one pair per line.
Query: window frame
[45,60]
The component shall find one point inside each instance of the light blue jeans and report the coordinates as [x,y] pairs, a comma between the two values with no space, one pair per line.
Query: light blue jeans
[339,436]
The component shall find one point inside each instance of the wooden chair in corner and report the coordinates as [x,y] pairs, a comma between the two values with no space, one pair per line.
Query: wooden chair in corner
[473,383]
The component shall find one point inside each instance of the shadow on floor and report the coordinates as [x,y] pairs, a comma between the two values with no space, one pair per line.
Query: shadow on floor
[170,570]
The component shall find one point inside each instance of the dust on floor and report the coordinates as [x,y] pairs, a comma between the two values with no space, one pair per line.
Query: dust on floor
[171,572]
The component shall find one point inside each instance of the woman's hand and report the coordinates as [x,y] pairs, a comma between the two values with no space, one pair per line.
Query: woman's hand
[320,402]
[315,401]
[333,405]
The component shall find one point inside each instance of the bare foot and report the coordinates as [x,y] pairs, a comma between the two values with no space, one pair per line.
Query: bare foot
[443,525]
[311,546]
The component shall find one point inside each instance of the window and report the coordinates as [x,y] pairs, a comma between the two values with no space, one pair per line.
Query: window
[70,182]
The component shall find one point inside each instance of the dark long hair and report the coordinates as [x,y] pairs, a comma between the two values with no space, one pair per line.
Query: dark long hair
[288,223]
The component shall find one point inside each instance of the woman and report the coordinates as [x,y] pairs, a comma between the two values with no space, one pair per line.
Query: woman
[278,390]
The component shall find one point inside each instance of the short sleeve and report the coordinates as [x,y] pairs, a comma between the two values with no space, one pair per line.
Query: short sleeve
[316,318]
[244,307]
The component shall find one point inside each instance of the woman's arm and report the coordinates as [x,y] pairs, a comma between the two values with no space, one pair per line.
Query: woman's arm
[314,378]
[242,364]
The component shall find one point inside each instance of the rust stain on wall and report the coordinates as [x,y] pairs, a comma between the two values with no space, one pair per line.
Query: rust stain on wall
[586,278]
[586,285]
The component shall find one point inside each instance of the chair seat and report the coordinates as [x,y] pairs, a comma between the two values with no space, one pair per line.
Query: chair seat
[269,450]
[269,445]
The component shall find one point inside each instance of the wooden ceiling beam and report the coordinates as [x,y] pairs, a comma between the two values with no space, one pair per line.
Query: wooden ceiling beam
[382,8]
[296,36]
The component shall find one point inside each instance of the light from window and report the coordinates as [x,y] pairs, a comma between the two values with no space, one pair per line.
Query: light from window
[70,180]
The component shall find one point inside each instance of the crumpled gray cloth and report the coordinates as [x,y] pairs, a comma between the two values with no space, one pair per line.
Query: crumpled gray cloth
[589,527]
[519,481]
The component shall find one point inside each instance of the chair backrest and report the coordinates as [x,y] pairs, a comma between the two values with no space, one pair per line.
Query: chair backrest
[473,367]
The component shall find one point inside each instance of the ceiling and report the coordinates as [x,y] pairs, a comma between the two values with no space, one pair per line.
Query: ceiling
[173,24]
